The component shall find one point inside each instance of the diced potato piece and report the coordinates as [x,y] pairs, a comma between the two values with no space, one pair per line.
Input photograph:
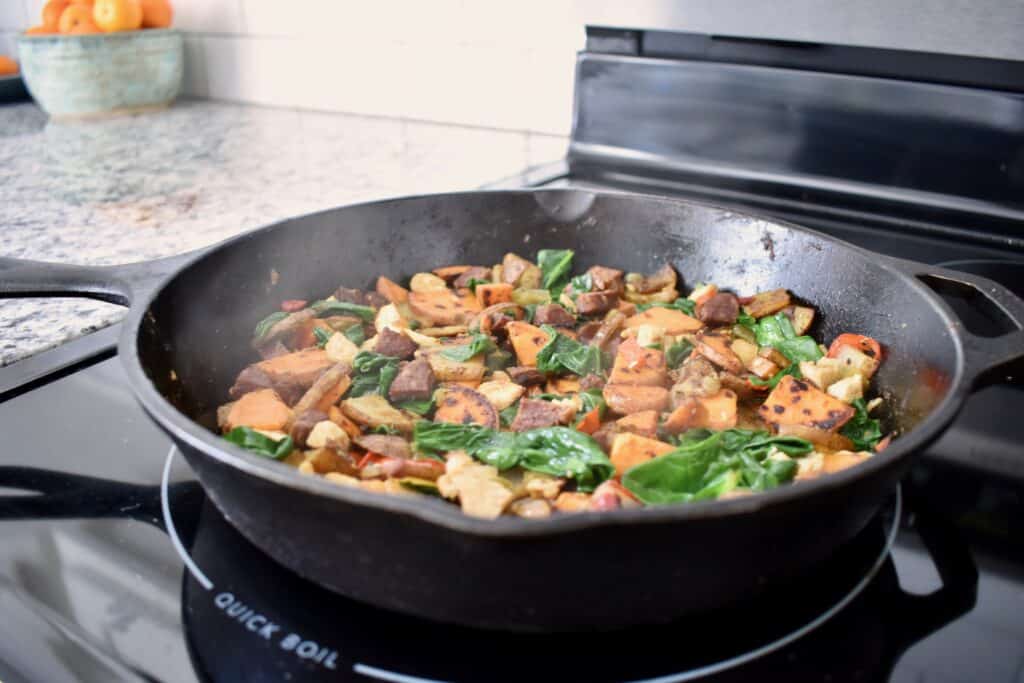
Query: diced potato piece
[573,501]
[488,295]
[796,401]
[446,331]
[745,351]
[626,399]
[501,394]
[527,340]
[650,335]
[810,466]
[802,317]
[540,485]
[426,282]
[637,365]
[481,492]
[392,291]
[389,316]
[774,355]
[563,385]
[823,372]
[644,423]
[719,351]
[261,409]
[672,321]
[767,303]
[448,370]
[341,479]
[421,339]
[462,405]
[525,297]
[855,361]
[338,418]
[374,411]
[762,367]
[326,433]
[340,349]
[848,388]
[702,293]
[631,449]
[442,307]
[840,460]
[530,508]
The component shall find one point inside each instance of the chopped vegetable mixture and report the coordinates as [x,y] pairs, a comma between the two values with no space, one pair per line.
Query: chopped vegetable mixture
[525,389]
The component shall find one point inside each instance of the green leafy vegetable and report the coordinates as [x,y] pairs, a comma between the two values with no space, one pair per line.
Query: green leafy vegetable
[508,414]
[791,369]
[555,266]
[385,429]
[325,307]
[685,305]
[581,284]
[251,440]
[474,281]
[355,334]
[746,320]
[480,343]
[592,398]
[322,336]
[420,485]
[777,331]
[420,408]
[863,430]
[707,464]
[498,360]
[558,451]
[529,311]
[372,373]
[263,326]
[562,354]
[677,353]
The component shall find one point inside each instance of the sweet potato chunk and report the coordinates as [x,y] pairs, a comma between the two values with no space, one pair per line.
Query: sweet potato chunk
[718,350]
[796,401]
[629,450]
[527,340]
[488,295]
[834,462]
[447,370]
[644,423]
[326,390]
[627,399]
[392,291]
[291,374]
[261,409]
[449,273]
[767,303]
[672,321]
[637,365]
[441,307]
[374,411]
[462,405]
[704,412]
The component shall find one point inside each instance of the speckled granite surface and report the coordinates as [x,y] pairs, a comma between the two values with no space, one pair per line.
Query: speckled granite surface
[135,188]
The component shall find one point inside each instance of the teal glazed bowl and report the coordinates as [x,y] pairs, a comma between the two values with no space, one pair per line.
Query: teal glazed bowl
[86,76]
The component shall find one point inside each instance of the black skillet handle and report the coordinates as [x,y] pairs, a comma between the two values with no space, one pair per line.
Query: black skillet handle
[983,355]
[119,284]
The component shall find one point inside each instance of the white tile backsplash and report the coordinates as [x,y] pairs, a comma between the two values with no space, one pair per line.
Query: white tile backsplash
[12,15]
[216,16]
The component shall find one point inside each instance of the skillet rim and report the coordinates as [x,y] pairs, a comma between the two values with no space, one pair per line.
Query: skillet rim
[183,429]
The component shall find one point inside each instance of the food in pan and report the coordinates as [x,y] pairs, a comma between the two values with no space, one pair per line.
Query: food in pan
[520,389]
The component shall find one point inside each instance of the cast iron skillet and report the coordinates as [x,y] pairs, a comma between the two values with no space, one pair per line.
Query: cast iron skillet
[187,336]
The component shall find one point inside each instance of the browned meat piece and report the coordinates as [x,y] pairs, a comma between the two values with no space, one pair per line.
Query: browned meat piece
[602,278]
[697,378]
[395,344]
[393,446]
[252,378]
[375,299]
[594,303]
[285,329]
[497,323]
[304,424]
[512,268]
[553,314]
[721,309]
[414,382]
[606,434]
[352,296]
[592,382]
[662,278]
[587,331]
[534,413]
[474,273]
[525,376]
[273,350]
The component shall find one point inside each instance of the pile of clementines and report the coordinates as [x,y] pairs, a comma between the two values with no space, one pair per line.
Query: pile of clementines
[78,17]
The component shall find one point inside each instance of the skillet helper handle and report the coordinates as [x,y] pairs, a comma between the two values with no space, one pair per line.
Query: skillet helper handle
[120,284]
[983,355]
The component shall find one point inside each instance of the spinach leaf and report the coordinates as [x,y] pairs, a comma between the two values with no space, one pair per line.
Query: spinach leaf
[325,307]
[263,326]
[777,331]
[746,320]
[791,369]
[421,407]
[677,353]
[559,451]
[498,360]
[581,284]
[707,464]
[529,311]
[480,343]
[322,336]
[507,415]
[474,281]
[562,354]
[251,440]
[355,334]
[685,305]
[372,373]
[555,265]
[863,430]
[593,398]
[385,429]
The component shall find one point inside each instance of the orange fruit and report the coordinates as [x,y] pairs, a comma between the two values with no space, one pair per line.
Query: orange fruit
[117,15]
[76,20]
[52,11]
[156,13]
[87,3]
[8,67]
[40,30]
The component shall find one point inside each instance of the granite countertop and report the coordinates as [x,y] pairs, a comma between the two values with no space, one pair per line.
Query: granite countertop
[135,188]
